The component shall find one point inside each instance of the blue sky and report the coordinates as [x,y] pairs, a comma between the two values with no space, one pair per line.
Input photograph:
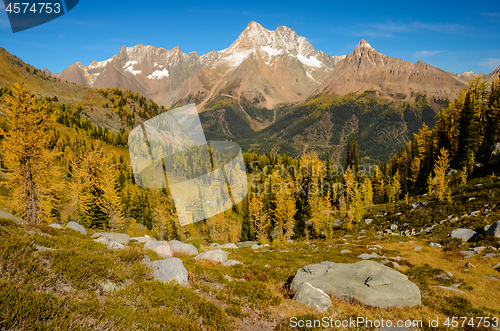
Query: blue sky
[454,36]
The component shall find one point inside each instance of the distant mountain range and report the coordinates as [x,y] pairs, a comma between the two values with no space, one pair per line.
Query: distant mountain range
[273,91]
[265,67]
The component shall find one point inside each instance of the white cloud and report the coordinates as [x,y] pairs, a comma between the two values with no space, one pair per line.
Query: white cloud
[488,14]
[426,53]
[490,63]
[391,29]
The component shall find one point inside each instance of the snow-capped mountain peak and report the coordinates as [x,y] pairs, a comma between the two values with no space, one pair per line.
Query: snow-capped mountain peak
[280,61]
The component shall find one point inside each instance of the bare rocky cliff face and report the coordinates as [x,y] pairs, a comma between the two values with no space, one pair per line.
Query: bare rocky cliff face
[366,69]
[493,76]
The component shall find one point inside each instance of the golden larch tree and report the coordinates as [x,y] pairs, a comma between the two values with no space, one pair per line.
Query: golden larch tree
[440,167]
[110,200]
[259,215]
[285,208]
[32,174]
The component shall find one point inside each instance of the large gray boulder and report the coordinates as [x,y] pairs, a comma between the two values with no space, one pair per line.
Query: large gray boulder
[464,234]
[494,230]
[77,227]
[367,282]
[122,238]
[247,244]
[214,256]
[307,273]
[230,246]
[141,239]
[230,263]
[102,240]
[170,269]
[55,226]
[179,247]
[152,244]
[312,296]
[163,250]
[20,221]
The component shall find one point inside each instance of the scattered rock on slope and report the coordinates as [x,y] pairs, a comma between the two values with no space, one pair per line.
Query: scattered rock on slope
[55,226]
[122,238]
[170,269]
[464,234]
[370,256]
[102,240]
[247,244]
[141,239]
[4,214]
[494,230]
[153,243]
[77,227]
[163,250]
[230,246]
[177,246]
[230,263]
[214,256]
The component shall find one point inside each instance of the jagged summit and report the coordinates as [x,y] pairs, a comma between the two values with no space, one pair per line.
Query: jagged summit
[283,40]
[364,43]
[364,48]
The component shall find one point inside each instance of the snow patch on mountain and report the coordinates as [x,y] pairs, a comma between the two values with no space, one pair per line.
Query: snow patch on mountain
[129,64]
[311,61]
[271,51]
[236,58]
[157,74]
[132,71]
[129,67]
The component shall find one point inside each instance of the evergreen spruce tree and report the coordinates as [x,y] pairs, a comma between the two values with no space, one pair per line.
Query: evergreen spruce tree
[467,136]
[352,156]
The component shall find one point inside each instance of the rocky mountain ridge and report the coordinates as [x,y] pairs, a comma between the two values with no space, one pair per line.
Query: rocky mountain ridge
[269,67]
[266,68]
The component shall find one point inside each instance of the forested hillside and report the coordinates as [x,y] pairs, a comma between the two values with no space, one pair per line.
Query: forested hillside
[82,171]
